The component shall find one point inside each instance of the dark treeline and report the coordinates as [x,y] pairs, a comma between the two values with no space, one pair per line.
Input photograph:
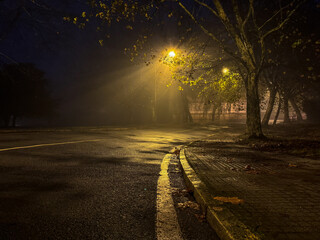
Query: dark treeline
[23,94]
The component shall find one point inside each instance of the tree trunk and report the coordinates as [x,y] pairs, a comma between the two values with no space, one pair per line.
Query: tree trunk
[229,108]
[286,118]
[171,108]
[219,112]
[296,109]
[206,106]
[214,109]
[271,101]
[254,129]
[186,111]
[277,113]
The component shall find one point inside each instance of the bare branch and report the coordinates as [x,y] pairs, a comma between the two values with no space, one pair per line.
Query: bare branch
[253,17]
[7,57]
[201,26]
[224,18]
[28,13]
[208,7]
[284,21]
[237,12]
[272,17]
[210,34]
[250,11]
[39,5]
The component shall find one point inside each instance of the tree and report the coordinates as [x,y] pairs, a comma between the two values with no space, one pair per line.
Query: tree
[269,79]
[199,70]
[239,29]
[23,93]
[292,63]
[248,34]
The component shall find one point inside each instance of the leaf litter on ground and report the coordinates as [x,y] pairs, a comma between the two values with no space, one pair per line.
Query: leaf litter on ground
[232,200]
[200,217]
[218,209]
[189,204]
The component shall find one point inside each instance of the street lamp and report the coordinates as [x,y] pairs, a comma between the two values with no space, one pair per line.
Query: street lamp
[225,70]
[169,56]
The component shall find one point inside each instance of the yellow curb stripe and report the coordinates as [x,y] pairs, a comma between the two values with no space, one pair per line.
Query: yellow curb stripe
[167,226]
[47,144]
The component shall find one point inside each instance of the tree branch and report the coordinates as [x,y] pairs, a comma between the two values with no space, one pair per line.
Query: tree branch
[272,17]
[208,7]
[250,11]
[7,57]
[239,37]
[284,21]
[236,12]
[211,35]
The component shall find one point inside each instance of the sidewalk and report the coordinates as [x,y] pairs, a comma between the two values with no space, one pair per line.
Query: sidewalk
[250,194]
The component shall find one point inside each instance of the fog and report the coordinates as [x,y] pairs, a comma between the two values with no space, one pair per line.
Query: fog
[92,84]
[124,93]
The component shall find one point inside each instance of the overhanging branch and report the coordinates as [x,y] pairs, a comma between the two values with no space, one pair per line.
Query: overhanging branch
[208,7]
[211,35]
[274,15]
[7,57]
[284,21]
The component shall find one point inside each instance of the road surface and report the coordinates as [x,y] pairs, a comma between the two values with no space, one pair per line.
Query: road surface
[91,183]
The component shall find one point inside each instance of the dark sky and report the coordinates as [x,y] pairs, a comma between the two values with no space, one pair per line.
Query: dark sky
[77,67]
[93,84]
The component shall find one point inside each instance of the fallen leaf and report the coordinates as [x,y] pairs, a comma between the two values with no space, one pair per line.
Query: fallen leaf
[189,204]
[186,192]
[180,205]
[175,190]
[253,171]
[248,167]
[189,191]
[233,200]
[200,217]
[218,209]
[292,165]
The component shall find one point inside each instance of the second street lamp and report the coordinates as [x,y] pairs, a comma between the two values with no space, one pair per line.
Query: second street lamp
[225,70]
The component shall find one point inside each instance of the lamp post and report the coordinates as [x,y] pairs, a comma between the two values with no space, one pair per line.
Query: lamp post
[170,55]
[154,116]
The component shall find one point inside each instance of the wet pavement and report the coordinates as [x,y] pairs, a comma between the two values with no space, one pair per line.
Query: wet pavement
[84,183]
[275,196]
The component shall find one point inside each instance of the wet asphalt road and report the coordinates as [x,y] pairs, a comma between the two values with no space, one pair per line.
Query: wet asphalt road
[101,189]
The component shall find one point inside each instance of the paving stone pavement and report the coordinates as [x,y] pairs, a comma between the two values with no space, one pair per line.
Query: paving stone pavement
[281,193]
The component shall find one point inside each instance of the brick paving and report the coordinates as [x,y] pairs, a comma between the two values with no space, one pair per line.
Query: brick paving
[281,193]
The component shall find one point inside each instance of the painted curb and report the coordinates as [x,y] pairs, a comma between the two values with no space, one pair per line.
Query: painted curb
[226,225]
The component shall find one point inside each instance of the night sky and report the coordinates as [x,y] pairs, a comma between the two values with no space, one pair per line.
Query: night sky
[91,83]
[84,77]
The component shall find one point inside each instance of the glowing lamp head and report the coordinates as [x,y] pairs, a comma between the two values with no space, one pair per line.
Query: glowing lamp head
[172,54]
[225,70]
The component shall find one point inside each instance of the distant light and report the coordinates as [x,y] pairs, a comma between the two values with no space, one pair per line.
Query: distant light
[172,54]
[225,70]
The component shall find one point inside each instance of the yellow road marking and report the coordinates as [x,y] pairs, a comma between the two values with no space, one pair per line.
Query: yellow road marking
[48,144]
[167,226]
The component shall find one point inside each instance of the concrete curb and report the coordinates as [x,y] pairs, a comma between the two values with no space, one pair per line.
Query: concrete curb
[226,225]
